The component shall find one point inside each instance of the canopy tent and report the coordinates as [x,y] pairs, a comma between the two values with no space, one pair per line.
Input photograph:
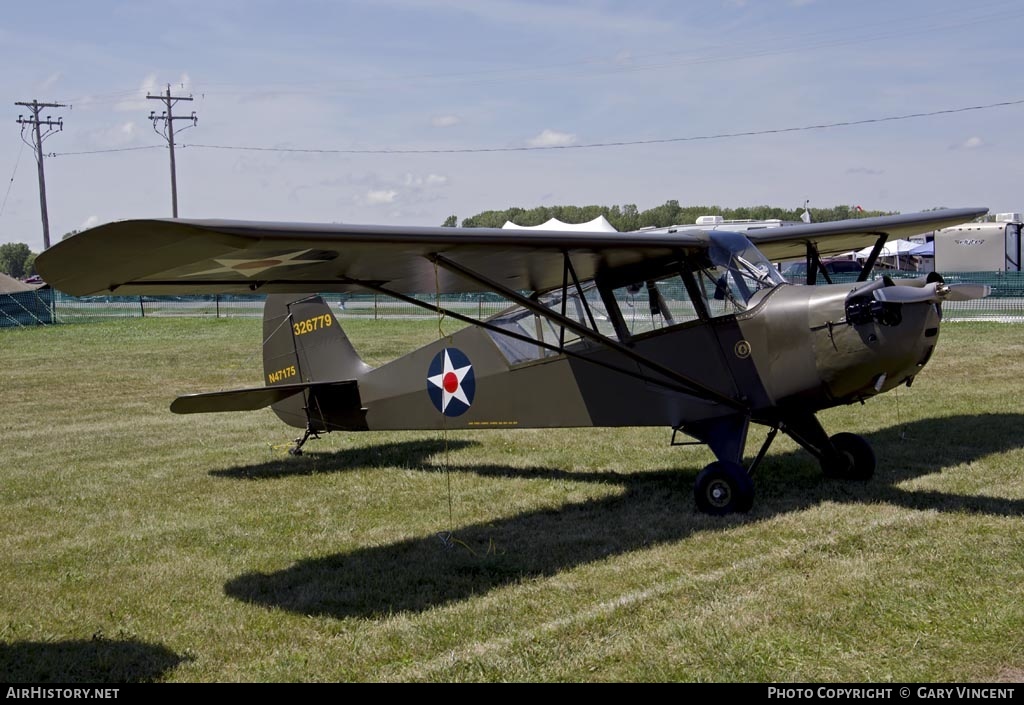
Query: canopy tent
[10,285]
[925,250]
[599,224]
[896,249]
[890,249]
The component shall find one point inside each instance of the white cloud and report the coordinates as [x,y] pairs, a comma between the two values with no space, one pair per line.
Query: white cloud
[382,196]
[149,86]
[138,101]
[584,18]
[50,81]
[552,138]
[91,222]
[444,120]
[115,136]
[974,142]
[427,181]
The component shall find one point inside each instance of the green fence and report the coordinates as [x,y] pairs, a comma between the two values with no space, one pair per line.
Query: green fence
[27,308]
[45,306]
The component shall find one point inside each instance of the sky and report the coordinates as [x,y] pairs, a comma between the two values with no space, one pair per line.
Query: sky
[406,112]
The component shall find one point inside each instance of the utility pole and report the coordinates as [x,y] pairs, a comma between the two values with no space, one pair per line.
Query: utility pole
[37,144]
[168,119]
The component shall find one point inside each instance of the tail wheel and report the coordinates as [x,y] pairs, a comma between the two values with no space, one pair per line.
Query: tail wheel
[722,488]
[855,460]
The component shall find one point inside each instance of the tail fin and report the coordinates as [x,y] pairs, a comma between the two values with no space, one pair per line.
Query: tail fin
[303,343]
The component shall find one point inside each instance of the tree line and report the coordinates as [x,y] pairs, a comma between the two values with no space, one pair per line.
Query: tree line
[628,217]
[17,260]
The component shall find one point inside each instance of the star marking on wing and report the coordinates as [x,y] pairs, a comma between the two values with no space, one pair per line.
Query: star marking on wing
[252,266]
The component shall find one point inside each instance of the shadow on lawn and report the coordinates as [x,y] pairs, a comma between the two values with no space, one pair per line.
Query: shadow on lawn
[411,454]
[654,507]
[85,661]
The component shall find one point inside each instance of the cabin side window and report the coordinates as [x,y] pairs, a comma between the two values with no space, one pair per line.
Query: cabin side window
[654,304]
[547,336]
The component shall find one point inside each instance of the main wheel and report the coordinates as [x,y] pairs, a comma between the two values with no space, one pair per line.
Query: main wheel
[855,461]
[722,488]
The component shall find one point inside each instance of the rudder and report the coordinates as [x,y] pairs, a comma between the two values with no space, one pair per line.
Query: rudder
[303,342]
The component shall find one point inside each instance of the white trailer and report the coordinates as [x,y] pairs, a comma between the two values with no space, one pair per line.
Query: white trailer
[980,247]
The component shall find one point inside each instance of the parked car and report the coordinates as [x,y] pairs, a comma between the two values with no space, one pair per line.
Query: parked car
[797,271]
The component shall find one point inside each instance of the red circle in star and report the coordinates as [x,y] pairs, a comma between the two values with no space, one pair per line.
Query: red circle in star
[450,382]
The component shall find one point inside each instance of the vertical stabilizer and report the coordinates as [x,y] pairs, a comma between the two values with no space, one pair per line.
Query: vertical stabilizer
[303,342]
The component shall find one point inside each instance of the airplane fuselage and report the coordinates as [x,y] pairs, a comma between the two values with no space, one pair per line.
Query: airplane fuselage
[796,346]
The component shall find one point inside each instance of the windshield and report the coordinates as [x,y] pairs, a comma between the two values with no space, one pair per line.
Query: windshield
[739,271]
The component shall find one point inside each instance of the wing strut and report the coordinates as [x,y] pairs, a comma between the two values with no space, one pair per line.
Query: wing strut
[814,266]
[692,387]
[372,286]
[875,251]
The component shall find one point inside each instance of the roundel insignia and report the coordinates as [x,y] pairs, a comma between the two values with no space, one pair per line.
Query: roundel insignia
[742,349]
[451,383]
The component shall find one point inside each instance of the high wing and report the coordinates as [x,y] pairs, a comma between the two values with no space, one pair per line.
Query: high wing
[223,256]
[791,241]
[227,256]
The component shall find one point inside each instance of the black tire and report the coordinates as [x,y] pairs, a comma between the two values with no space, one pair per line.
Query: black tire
[856,459]
[724,488]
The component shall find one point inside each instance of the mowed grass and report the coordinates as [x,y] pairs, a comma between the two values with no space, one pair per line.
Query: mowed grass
[139,545]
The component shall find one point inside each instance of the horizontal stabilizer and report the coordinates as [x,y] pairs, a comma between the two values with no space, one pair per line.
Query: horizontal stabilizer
[249,399]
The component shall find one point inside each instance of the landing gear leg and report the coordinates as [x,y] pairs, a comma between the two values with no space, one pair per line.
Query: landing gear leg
[844,456]
[724,486]
[299,442]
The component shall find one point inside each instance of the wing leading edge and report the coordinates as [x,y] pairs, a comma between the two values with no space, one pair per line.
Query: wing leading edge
[791,241]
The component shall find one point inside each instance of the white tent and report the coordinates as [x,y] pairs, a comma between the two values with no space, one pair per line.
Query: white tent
[598,224]
[896,248]
[10,285]
[890,249]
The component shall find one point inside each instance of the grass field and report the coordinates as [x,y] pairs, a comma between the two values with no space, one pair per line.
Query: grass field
[139,545]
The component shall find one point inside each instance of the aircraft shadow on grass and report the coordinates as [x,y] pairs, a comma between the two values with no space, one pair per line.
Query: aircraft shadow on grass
[656,507]
[85,661]
[417,453]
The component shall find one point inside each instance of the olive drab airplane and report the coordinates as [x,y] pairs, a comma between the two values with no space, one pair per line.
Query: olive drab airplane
[692,330]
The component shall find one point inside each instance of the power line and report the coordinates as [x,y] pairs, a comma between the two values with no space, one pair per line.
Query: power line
[17,161]
[590,145]
[104,151]
[618,143]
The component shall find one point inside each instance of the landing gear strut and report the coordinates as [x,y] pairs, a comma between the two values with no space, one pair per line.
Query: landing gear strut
[299,442]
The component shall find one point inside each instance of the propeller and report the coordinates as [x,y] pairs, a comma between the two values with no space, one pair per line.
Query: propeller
[967,292]
[935,291]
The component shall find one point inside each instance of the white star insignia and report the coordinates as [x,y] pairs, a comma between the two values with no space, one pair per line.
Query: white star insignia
[251,267]
[450,382]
